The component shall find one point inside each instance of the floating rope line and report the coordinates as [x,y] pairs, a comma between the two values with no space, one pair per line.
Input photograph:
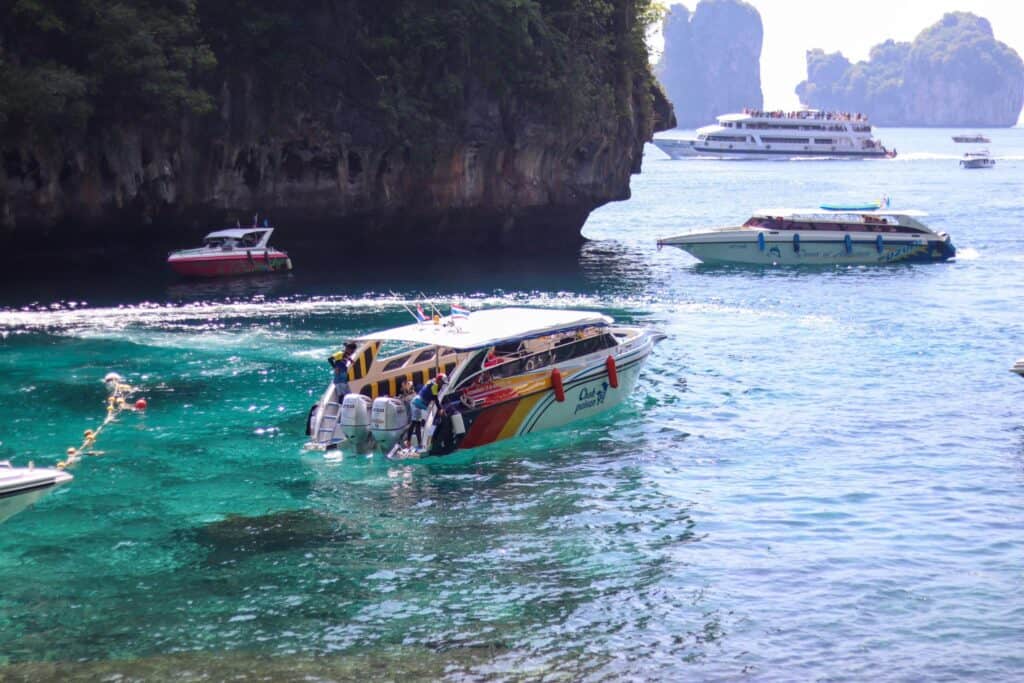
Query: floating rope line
[119,394]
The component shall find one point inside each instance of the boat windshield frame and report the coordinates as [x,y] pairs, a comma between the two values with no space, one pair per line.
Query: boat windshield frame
[238,238]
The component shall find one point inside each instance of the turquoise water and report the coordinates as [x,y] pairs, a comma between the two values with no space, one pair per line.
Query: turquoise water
[821,474]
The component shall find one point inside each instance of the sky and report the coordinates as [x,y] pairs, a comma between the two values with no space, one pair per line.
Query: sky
[791,27]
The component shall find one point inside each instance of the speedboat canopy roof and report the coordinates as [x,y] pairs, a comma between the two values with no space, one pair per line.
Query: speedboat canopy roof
[237,233]
[795,213]
[490,327]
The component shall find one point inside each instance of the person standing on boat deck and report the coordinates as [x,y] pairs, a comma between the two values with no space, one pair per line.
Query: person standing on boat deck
[428,393]
[407,393]
[341,362]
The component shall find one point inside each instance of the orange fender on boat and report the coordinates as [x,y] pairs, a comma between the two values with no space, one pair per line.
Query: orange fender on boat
[556,385]
[613,372]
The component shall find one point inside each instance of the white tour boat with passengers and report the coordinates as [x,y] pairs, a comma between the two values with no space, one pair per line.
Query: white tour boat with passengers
[23,486]
[755,134]
[510,372]
[822,236]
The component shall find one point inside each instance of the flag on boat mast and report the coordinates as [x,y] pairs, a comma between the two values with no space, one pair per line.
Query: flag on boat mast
[420,315]
[458,312]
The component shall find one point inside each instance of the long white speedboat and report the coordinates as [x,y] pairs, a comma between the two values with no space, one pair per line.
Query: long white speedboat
[819,237]
[754,134]
[22,486]
[1018,367]
[511,372]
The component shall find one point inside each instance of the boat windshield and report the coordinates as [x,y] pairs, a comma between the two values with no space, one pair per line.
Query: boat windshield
[234,238]
[219,242]
[517,358]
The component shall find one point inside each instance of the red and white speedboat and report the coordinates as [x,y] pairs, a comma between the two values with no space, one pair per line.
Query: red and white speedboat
[236,251]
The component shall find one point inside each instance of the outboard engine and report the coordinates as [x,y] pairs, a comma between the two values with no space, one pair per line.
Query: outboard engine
[355,417]
[389,420]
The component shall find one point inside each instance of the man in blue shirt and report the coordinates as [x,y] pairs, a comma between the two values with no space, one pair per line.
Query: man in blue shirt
[341,362]
[428,394]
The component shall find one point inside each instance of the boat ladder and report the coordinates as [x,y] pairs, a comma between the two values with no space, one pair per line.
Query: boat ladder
[329,423]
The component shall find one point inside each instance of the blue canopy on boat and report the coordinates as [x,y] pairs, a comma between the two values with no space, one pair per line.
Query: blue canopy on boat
[867,206]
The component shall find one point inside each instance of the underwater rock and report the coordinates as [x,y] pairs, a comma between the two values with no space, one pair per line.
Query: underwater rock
[238,536]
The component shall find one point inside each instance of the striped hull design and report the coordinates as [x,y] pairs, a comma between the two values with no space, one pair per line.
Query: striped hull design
[818,252]
[587,393]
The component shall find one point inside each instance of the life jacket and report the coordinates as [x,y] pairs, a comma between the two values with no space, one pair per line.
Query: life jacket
[429,391]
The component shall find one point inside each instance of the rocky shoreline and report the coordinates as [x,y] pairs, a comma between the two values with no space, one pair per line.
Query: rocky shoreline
[487,167]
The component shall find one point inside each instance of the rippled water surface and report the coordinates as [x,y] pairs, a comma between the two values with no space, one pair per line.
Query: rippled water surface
[821,474]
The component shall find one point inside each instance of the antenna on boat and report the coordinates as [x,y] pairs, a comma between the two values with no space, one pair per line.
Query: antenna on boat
[432,306]
[417,317]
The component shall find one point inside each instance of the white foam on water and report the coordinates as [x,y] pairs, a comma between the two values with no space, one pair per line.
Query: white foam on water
[214,326]
[925,156]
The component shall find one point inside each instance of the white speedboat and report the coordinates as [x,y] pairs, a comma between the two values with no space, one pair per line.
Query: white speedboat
[23,486]
[1018,367]
[511,372]
[235,251]
[970,137]
[754,134]
[819,237]
[978,159]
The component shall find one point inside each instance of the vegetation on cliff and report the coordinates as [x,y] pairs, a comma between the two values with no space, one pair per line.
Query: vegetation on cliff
[953,73]
[384,111]
[66,63]
[711,63]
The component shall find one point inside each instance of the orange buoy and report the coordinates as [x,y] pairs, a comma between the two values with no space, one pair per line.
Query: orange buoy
[556,384]
[140,404]
[613,372]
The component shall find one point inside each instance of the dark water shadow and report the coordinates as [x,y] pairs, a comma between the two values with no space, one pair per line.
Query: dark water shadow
[591,267]
[239,536]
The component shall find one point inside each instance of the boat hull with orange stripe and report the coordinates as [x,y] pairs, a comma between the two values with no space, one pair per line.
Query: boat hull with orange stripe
[510,374]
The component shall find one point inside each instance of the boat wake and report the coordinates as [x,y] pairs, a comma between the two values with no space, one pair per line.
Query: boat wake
[287,321]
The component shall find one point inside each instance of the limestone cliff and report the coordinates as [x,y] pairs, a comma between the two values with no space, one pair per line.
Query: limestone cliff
[711,61]
[955,73]
[480,123]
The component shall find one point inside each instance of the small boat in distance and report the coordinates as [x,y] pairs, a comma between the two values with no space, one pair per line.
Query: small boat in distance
[978,159]
[23,486]
[1018,367]
[755,134]
[234,251]
[970,137]
[509,372]
[819,237]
